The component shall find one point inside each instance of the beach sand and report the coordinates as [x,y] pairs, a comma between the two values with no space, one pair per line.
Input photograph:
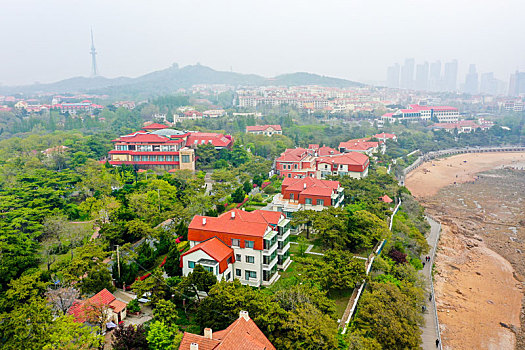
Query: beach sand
[480,263]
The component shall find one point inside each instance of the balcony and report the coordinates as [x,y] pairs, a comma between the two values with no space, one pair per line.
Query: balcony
[285,264]
[283,249]
[271,264]
[284,236]
[272,280]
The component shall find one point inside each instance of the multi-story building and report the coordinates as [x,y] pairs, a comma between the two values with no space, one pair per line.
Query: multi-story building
[267,130]
[416,113]
[307,194]
[75,107]
[318,162]
[360,145]
[259,241]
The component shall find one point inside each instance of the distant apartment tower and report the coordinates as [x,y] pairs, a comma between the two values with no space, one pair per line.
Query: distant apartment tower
[450,76]
[471,81]
[422,76]
[392,76]
[434,80]
[407,74]
[488,84]
[517,84]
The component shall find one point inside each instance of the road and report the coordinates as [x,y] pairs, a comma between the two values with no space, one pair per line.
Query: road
[430,333]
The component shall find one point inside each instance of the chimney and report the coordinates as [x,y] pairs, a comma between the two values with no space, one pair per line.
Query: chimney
[244,314]
[304,185]
[203,221]
[233,215]
[208,333]
[194,346]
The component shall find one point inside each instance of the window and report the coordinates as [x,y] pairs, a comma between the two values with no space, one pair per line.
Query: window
[236,242]
[144,158]
[238,257]
[228,276]
[291,196]
[169,158]
[176,158]
[320,202]
[191,264]
[238,272]
[308,201]
[136,158]
[208,268]
[185,158]
[248,244]
[250,259]
[250,274]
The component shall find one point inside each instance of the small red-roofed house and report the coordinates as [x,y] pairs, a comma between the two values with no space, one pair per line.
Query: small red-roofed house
[359,145]
[101,303]
[386,199]
[267,130]
[242,334]
[219,141]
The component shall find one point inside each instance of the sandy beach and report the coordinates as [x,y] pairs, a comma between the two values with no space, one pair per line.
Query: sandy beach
[479,264]
[430,177]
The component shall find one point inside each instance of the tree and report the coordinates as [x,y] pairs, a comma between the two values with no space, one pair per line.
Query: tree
[130,338]
[365,229]
[330,226]
[62,297]
[154,284]
[67,334]
[97,313]
[97,279]
[238,195]
[166,312]
[304,217]
[226,299]
[161,336]
[390,316]
[172,265]
[247,186]
[198,280]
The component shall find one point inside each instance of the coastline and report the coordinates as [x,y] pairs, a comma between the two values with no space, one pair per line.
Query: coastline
[477,277]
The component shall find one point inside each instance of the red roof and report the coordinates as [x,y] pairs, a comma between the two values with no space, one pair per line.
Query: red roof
[326,151]
[310,186]
[217,140]
[359,144]
[386,199]
[243,334]
[384,135]
[263,127]
[155,126]
[253,223]
[104,297]
[215,248]
[293,155]
[140,137]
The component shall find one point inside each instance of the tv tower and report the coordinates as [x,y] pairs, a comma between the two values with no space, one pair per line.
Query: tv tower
[93,57]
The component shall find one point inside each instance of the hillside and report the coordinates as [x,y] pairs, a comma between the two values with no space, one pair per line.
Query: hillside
[171,79]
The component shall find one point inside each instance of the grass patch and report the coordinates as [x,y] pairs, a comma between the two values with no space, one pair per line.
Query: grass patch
[341,299]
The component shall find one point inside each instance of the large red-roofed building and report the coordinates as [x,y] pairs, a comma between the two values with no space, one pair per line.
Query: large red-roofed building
[259,240]
[242,334]
[267,130]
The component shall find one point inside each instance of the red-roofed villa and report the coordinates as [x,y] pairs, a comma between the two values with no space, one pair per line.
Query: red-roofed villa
[267,130]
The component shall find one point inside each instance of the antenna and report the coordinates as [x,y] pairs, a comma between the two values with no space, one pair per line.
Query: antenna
[93,57]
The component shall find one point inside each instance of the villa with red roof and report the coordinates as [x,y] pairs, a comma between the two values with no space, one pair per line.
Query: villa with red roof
[307,193]
[462,126]
[249,246]
[115,309]
[359,145]
[385,136]
[160,148]
[313,162]
[267,130]
[242,334]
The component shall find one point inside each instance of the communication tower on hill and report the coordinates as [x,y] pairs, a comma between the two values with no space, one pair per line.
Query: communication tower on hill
[93,56]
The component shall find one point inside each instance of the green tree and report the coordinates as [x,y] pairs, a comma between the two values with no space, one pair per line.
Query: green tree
[129,337]
[172,265]
[67,334]
[97,279]
[198,280]
[238,195]
[161,337]
[166,312]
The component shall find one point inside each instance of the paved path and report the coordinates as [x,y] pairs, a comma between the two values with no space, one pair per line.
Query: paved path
[430,333]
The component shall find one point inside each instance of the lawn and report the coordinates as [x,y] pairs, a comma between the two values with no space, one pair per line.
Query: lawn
[341,301]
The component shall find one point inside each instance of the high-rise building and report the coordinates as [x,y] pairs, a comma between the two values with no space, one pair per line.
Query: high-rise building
[434,80]
[392,76]
[407,74]
[488,84]
[517,84]
[471,81]
[450,76]
[422,76]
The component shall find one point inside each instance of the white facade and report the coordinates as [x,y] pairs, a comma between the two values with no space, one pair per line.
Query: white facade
[200,257]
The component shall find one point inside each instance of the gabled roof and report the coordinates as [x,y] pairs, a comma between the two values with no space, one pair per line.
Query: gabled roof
[293,154]
[384,135]
[263,127]
[350,158]
[104,297]
[310,186]
[214,247]
[253,223]
[386,199]
[359,144]
[155,126]
[141,137]
[243,334]
[326,151]
[217,140]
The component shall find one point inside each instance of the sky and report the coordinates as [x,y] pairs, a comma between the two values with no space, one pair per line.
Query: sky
[46,41]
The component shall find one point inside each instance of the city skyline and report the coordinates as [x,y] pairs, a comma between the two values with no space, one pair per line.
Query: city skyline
[134,38]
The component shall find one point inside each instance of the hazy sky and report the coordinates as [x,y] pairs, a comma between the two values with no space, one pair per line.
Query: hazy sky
[49,40]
